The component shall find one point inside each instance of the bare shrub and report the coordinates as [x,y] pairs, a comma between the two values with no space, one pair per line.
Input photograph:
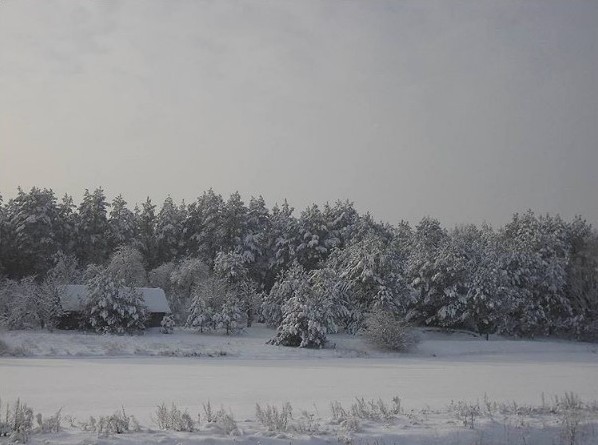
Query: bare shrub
[389,333]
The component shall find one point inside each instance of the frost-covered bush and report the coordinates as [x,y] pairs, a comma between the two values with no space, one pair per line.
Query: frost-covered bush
[118,423]
[221,421]
[112,307]
[173,419]
[16,423]
[387,332]
[26,304]
[273,418]
[49,424]
[167,324]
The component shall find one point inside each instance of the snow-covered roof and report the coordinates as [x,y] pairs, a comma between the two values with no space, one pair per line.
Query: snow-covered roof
[75,294]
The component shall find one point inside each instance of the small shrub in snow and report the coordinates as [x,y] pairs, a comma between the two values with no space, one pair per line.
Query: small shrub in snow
[167,324]
[351,425]
[307,424]
[50,424]
[209,412]
[225,423]
[17,423]
[173,419]
[375,410]
[118,423]
[361,409]
[272,418]
[221,421]
[338,412]
[466,412]
[384,331]
[571,422]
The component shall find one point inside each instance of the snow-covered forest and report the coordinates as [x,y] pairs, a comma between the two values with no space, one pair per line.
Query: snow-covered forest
[225,264]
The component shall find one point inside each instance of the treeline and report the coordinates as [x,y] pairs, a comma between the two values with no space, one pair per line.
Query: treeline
[224,263]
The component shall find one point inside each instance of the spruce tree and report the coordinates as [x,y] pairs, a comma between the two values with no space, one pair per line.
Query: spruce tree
[92,246]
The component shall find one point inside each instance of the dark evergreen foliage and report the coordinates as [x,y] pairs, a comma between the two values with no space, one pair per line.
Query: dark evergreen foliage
[537,275]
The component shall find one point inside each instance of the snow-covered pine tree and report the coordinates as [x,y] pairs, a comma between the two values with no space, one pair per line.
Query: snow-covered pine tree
[342,221]
[332,293]
[282,291]
[313,233]
[235,223]
[33,228]
[200,313]
[233,269]
[231,266]
[538,264]
[169,231]
[231,316]
[204,229]
[373,270]
[67,224]
[3,245]
[122,224]
[255,242]
[126,266]
[112,307]
[47,302]
[304,320]
[582,279]
[215,306]
[282,239]
[160,277]
[185,278]
[427,271]
[146,241]
[92,228]
[484,283]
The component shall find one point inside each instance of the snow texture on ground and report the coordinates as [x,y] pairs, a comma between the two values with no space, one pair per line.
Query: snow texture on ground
[89,375]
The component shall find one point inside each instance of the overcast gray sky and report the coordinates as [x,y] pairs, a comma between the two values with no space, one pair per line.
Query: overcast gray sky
[463,110]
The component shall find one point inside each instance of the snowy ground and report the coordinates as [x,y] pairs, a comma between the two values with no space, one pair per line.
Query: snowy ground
[89,375]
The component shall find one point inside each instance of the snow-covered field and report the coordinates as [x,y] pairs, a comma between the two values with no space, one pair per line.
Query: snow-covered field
[89,375]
